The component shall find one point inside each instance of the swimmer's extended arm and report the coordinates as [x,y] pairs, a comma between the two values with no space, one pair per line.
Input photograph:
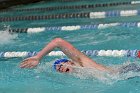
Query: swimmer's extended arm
[68,50]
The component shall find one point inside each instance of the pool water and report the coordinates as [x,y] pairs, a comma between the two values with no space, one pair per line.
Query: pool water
[43,79]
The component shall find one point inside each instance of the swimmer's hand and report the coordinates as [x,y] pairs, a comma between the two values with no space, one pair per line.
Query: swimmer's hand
[30,62]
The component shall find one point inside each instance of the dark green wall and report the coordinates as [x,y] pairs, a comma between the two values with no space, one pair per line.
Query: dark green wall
[8,3]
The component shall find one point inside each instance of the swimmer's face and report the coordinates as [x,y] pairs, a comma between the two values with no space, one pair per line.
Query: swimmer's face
[65,67]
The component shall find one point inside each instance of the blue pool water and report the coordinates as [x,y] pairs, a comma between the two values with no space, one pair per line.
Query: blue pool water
[43,79]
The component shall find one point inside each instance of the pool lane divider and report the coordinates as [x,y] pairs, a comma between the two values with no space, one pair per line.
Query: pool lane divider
[108,53]
[73,28]
[80,0]
[91,15]
[85,6]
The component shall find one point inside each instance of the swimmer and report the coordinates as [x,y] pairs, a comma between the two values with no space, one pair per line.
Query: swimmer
[77,59]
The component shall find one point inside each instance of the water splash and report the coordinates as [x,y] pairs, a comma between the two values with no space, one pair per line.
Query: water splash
[105,77]
[89,73]
[6,37]
[93,74]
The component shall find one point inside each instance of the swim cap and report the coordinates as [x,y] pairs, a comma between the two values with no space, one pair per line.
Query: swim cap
[57,62]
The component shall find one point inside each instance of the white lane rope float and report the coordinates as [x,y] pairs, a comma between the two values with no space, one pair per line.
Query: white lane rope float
[109,53]
[74,27]
[91,15]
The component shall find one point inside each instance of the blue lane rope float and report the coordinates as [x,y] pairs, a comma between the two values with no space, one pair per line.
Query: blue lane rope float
[108,53]
[91,15]
[86,6]
[73,28]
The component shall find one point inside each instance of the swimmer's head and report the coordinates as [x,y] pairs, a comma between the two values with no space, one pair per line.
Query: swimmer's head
[63,65]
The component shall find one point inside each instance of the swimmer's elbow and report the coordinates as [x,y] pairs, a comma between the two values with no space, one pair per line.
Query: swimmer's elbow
[58,40]
[61,42]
